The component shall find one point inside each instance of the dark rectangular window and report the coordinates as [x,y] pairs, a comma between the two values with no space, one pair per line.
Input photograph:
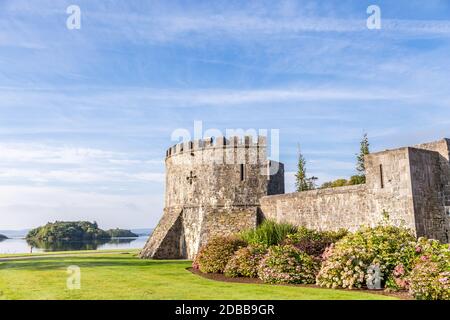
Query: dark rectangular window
[242,172]
[381,176]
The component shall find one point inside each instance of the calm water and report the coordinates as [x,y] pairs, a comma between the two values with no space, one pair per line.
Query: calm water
[20,245]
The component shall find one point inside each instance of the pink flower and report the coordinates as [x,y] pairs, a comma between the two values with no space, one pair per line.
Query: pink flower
[424,258]
[399,270]
[418,249]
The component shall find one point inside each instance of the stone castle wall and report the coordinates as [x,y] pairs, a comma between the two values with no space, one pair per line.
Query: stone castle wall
[323,209]
[408,184]
[389,187]
[430,172]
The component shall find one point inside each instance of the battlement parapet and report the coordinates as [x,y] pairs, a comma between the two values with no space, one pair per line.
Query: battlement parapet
[216,143]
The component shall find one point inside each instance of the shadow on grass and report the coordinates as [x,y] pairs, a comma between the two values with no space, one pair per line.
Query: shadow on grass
[88,262]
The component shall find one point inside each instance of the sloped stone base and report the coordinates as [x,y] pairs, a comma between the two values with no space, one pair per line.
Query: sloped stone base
[182,232]
[167,240]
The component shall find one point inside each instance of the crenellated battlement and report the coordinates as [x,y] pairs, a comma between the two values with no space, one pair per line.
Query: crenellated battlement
[216,143]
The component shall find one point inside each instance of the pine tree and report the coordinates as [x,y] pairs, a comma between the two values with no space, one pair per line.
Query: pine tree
[364,150]
[301,182]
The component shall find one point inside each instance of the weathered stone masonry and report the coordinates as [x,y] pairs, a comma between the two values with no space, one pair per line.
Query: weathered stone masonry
[410,184]
[221,187]
[212,187]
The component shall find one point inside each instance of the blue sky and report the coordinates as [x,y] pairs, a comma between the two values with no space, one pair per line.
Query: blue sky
[86,115]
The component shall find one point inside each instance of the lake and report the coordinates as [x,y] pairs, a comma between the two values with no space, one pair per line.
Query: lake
[20,245]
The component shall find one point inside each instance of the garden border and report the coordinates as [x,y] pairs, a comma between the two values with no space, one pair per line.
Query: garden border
[403,295]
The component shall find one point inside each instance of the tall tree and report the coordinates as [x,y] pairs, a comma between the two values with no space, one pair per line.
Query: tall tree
[302,183]
[363,150]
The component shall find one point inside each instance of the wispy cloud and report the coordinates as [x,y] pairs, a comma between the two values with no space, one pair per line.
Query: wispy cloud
[27,162]
[136,97]
[32,206]
[86,115]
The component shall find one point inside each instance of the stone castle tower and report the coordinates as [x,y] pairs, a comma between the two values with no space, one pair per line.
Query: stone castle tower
[213,186]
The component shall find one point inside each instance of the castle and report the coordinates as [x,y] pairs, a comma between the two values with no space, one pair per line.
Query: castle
[222,186]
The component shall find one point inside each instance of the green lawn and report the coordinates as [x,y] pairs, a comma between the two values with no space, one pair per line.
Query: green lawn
[124,276]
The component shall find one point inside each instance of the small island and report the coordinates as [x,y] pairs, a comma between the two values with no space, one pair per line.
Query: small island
[75,231]
[121,233]
[3,237]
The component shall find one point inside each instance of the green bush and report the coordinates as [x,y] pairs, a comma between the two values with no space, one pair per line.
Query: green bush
[314,242]
[245,261]
[287,264]
[269,233]
[357,179]
[214,256]
[348,263]
[354,180]
[430,276]
[335,184]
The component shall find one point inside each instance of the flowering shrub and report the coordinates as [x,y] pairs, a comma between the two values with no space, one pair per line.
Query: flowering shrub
[314,242]
[214,256]
[430,276]
[245,261]
[343,267]
[351,262]
[287,264]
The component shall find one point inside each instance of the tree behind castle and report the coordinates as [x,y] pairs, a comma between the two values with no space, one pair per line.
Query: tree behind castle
[302,182]
[360,165]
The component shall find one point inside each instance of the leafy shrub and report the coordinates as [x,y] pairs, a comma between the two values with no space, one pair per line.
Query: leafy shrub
[269,233]
[430,276]
[314,242]
[354,180]
[214,256]
[245,261]
[287,264]
[335,184]
[357,179]
[348,262]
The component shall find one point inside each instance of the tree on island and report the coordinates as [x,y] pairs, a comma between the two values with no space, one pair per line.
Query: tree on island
[74,231]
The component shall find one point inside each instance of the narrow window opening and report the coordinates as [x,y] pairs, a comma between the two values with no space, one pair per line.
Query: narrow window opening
[242,172]
[381,176]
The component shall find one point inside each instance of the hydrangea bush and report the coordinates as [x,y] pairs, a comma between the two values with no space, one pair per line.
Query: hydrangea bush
[430,276]
[314,242]
[245,261]
[287,264]
[214,256]
[351,261]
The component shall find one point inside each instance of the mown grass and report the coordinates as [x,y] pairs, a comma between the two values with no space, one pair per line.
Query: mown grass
[58,253]
[124,276]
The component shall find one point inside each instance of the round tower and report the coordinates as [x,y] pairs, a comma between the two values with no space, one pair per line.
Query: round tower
[213,187]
